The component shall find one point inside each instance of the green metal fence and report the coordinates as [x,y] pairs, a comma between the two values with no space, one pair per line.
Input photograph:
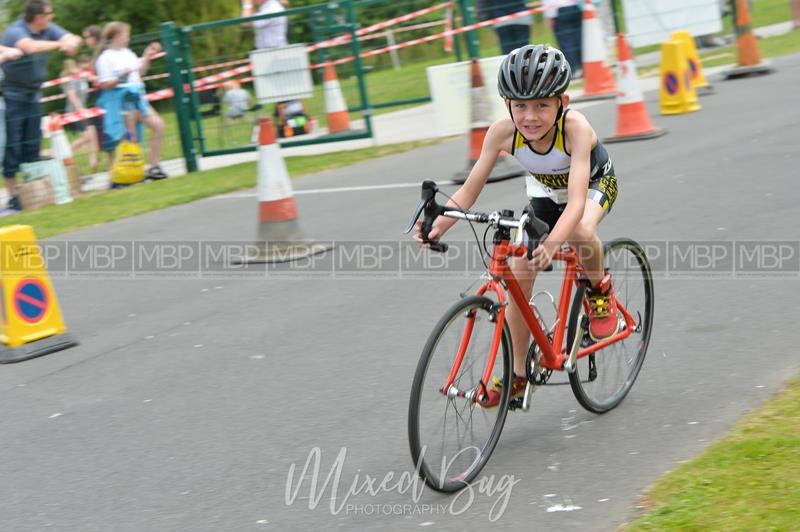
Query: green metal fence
[362,61]
[209,134]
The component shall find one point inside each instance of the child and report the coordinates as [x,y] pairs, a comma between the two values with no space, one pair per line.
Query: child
[572,185]
[119,74]
[237,99]
[76,90]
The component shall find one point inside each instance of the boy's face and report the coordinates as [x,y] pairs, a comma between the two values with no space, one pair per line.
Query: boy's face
[534,118]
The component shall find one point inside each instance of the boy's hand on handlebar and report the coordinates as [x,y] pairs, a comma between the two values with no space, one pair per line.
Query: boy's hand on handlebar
[542,257]
[433,235]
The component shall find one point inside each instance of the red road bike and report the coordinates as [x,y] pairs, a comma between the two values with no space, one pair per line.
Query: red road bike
[450,433]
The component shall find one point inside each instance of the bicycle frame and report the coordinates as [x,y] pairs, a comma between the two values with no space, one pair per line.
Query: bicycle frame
[553,355]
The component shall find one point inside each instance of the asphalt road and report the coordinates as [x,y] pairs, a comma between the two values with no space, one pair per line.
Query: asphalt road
[194,399]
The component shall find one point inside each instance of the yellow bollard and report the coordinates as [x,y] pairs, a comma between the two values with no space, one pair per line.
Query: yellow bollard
[31,324]
[699,81]
[677,92]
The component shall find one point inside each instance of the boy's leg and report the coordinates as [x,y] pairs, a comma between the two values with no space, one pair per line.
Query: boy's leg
[520,334]
[520,338]
[603,316]
[587,243]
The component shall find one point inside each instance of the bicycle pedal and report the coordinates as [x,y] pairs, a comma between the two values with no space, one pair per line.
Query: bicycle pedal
[515,403]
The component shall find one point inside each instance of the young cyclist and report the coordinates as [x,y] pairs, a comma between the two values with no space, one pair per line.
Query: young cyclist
[571,186]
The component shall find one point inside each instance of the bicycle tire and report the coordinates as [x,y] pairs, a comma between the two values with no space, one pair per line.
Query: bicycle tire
[634,289]
[434,461]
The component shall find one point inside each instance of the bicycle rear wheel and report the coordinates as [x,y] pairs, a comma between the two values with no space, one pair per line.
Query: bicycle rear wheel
[451,436]
[602,380]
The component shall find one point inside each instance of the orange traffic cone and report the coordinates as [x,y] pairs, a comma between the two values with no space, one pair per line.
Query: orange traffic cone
[338,119]
[279,234]
[633,120]
[505,167]
[598,79]
[749,59]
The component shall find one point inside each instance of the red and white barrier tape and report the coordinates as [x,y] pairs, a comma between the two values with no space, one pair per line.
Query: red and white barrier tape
[344,39]
[401,29]
[244,69]
[60,81]
[430,38]
[64,79]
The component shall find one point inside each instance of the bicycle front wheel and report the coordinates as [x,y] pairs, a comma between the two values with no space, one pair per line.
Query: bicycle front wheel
[602,380]
[450,434]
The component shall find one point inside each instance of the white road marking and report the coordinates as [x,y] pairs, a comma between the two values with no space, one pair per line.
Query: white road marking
[336,189]
[562,508]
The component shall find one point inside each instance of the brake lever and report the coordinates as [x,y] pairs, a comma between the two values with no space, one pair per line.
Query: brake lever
[429,190]
[428,204]
[415,217]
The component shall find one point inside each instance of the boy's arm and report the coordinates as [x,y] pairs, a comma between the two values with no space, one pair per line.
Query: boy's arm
[580,137]
[466,196]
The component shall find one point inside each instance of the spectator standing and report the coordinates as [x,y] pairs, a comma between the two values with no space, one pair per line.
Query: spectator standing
[513,33]
[271,32]
[76,90]
[35,35]
[237,99]
[566,20]
[92,37]
[119,76]
[6,54]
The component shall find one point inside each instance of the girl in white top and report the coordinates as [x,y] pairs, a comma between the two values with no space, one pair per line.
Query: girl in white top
[118,67]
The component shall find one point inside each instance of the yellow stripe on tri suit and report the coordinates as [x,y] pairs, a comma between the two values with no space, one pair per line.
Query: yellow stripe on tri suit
[549,171]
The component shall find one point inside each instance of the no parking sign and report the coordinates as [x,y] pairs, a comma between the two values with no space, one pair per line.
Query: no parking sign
[31,300]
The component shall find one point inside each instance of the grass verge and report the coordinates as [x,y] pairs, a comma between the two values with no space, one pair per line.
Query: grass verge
[750,480]
[105,207]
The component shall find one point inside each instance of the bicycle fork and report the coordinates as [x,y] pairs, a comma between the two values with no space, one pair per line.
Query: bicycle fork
[497,315]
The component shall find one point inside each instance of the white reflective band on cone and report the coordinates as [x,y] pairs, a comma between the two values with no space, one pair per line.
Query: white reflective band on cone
[334,101]
[273,178]
[594,45]
[629,91]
